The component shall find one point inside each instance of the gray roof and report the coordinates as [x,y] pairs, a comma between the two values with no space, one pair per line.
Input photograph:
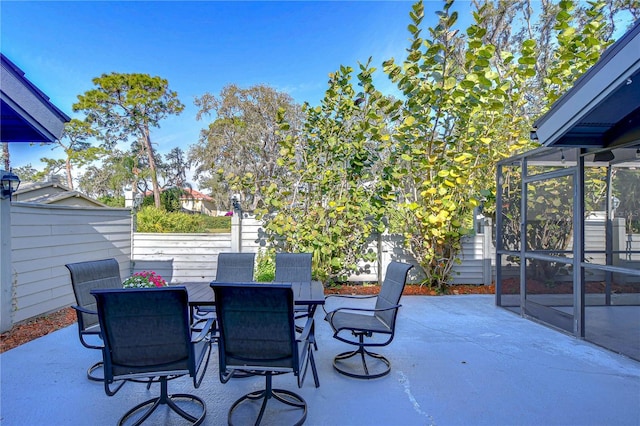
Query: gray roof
[31,192]
[26,113]
[602,109]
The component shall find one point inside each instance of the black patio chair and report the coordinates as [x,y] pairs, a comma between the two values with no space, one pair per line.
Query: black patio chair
[231,268]
[257,334]
[235,267]
[368,322]
[86,276]
[147,335]
[294,267]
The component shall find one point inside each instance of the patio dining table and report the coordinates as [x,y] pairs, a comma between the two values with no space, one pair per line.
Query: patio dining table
[308,294]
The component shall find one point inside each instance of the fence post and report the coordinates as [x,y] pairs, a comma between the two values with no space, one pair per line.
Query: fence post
[487,251]
[236,231]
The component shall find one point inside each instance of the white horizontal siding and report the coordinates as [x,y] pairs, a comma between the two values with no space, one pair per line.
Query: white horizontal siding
[179,258]
[44,238]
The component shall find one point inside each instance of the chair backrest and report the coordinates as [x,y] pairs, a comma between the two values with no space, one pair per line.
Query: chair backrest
[89,275]
[145,331]
[235,267]
[391,291]
[293,267]
[257,328]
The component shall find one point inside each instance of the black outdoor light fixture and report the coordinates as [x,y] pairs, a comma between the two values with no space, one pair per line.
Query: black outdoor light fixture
[10,183]
[603,157]
[235,201]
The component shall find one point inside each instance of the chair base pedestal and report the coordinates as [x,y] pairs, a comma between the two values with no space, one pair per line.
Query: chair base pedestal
[284,396]
[364,354]
[91,375]
[169,400]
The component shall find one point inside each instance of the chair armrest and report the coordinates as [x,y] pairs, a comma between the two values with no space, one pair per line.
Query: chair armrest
[81,327]
[79,309]
[351,296]
[346,296]
[330,314]
[306,331]
[346,308]
[204,331]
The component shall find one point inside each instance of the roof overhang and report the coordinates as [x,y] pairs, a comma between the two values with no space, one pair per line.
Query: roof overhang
[602,109]
[26,113]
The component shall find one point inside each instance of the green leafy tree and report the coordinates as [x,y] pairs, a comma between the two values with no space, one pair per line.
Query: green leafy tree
[124,106]
[467,106]
[626,186]
[77,149]
[329,200]
[239,148]
[174,168]
[108,180]
[27,173]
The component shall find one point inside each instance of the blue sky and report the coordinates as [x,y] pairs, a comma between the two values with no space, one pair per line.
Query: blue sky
[198,47]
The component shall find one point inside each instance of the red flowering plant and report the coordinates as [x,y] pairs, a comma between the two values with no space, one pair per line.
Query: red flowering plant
[144,279]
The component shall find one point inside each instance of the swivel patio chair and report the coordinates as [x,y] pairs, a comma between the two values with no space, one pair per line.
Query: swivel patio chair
[235,267]
[147,334]
[86,276]
[231,268]
[257,334]
[294,267]
[369,322]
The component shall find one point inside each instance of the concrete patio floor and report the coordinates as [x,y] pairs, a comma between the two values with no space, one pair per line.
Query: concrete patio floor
[456,360]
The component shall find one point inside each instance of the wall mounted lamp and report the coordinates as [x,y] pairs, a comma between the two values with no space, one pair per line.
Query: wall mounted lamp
[235,201]
[9,184]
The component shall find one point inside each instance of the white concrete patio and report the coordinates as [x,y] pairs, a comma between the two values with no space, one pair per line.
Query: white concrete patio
[456,360]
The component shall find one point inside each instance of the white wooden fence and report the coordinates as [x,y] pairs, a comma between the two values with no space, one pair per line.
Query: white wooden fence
[193,257]
[41,239]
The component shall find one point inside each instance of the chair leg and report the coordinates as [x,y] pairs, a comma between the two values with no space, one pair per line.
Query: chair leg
[363,357]
[169,400]
[281,395]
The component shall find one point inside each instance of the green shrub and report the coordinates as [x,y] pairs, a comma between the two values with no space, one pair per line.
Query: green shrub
[265,266]
[150,219]
[112,201]
[217,223]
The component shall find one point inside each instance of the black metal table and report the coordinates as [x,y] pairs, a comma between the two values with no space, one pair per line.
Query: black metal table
[305,294]
[309,294]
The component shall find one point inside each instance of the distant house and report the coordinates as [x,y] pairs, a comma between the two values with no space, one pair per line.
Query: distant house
[197,202]
[53,192]
[193,201]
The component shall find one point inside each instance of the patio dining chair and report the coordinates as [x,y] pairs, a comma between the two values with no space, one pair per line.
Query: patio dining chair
[232,267]
[294,267]
[86,276]
[257,334]
[147,335]
[361,322]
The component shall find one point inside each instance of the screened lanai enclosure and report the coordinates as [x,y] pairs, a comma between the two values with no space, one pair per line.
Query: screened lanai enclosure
[568,213]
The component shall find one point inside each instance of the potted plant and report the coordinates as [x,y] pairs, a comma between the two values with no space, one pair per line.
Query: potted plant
[144,279]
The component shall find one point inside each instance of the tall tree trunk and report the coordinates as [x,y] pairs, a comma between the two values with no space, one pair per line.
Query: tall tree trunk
[69,178]
[5,155]
[152,167]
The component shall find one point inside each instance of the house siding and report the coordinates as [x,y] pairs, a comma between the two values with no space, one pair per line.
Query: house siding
[44,238]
